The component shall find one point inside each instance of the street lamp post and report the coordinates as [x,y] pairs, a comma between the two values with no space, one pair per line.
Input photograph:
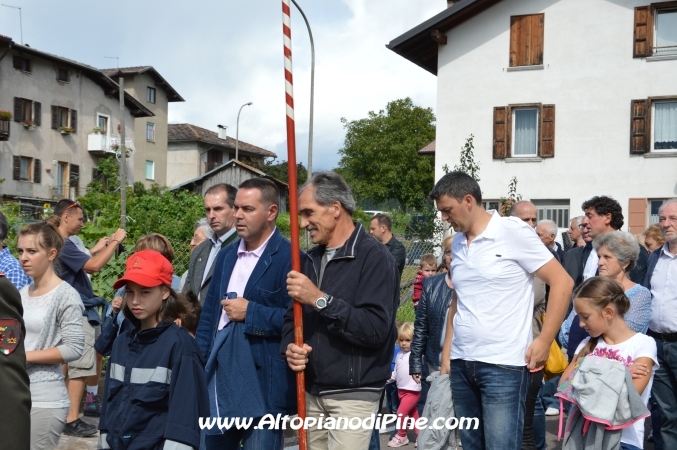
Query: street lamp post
[237,130]
[312,91]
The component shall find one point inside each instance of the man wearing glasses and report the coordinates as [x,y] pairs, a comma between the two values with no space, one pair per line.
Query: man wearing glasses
[73,269]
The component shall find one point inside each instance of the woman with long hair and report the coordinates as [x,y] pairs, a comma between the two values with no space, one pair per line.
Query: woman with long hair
[54,335]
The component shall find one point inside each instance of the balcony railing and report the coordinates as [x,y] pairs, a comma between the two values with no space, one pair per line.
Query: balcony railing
[105,144]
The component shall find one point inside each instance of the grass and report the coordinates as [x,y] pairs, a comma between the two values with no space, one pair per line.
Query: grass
[406,312]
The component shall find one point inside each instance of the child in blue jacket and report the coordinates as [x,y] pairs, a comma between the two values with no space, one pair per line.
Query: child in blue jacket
[155,390]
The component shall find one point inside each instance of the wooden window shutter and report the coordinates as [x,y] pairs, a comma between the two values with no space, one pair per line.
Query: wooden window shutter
[55,117]
[500,132]
[17,62]
[643,32]
[16,168]
[74,120]
[17,109]
[74,177]
[639,127]
[37,171]
[637,214]
[547,147]
[526,40]
[37,113]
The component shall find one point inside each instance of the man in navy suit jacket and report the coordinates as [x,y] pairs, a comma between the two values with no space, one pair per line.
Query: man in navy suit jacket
[249,285]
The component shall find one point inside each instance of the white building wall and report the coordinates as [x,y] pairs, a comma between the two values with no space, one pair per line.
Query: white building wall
[183,162]
[590,76]
[45,143]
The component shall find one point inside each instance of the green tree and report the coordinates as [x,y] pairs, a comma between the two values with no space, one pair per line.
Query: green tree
[513,197]
[468,164]
[379,157]
[280,171]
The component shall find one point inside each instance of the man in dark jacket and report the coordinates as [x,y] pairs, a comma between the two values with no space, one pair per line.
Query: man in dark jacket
[15,427]
[380,227]
[349,289]
[254,272]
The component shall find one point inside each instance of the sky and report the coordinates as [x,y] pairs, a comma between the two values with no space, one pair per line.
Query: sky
[221,54]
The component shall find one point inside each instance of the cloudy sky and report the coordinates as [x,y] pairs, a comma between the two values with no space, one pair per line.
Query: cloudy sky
[220,54]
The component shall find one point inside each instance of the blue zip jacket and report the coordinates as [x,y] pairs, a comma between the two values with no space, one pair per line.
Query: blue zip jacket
[155,391]
[266,291]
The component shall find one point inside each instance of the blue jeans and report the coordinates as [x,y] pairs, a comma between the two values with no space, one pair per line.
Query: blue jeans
[251,439]
[625,446]
[664,391]
[496,395]
[548,393]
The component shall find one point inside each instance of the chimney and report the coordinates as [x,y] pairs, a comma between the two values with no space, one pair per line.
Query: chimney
[450,3]
[222,132]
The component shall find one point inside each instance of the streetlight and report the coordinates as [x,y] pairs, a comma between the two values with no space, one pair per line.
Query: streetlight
[312,91]
[237,129]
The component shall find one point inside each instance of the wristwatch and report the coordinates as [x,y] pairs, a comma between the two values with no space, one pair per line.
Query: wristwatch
[322,302]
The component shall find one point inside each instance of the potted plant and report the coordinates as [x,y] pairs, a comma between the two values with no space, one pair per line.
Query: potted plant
[96,130]
[65,130]
[29,125]
[5,115]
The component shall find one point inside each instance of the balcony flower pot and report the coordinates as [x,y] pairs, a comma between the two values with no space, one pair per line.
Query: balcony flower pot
[5,115]
[65,130]
[29,125]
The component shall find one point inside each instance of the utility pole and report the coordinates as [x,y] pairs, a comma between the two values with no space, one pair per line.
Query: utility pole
[123,158]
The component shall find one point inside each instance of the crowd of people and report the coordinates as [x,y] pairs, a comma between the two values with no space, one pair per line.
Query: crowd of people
[219,340]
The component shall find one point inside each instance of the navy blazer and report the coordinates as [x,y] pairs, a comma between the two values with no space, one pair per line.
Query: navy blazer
[266,291]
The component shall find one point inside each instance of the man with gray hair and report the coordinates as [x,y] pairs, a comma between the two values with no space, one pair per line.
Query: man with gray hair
[547,231]
[9,265]
[575,231]
[349,289]
[661,280]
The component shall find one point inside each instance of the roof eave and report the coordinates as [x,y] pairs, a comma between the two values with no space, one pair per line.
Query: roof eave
[417,44]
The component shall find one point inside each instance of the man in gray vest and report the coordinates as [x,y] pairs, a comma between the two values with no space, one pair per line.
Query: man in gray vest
[219,210]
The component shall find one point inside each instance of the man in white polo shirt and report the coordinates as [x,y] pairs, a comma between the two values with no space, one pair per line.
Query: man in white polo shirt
[488,347]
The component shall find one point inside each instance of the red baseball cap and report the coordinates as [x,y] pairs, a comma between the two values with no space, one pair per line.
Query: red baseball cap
[147,268]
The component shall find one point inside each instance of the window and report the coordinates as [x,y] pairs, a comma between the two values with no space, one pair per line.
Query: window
[63,75]
[491,204]
[62,179]
[526,40]
[26,169]
[150,95]
[653,125]
[150,170]
[27,111]
[150,131]
[63,117]
[654,206]
[655,30]
[664,126]
[555,210]
[102,123]
[524,131]
[21,63]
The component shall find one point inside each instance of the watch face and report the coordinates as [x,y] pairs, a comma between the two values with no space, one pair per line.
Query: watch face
[321,303]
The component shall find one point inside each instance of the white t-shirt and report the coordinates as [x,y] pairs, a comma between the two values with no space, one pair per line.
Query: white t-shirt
[627,352]
[494,283]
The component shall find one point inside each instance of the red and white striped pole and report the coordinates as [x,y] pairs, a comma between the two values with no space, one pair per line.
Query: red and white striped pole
[293,210]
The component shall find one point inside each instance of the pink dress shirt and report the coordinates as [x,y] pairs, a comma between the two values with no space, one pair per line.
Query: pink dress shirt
[244,266]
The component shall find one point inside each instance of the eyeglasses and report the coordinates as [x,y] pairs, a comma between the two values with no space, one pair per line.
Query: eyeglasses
[583,226]
[75,205]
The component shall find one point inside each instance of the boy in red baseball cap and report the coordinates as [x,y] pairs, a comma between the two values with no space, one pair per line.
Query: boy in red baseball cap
[155,388]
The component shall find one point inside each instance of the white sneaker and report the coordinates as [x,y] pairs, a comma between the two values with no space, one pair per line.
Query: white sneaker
[552,412]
